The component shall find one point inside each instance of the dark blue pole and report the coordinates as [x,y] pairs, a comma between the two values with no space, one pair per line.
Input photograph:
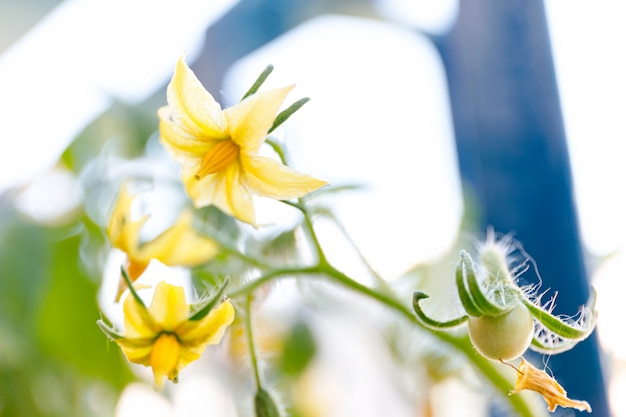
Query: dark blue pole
[513,157]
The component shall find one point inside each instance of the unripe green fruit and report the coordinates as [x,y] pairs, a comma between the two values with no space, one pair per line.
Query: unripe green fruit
[502,337]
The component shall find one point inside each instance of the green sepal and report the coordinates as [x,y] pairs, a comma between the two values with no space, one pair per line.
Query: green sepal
[264,405]
[212,302]
[432,323]
[484,304]
[145,314]
[466,299]
[560,347]
[286,114]
[133,292]
[259,81]
[110,332]
[561,328]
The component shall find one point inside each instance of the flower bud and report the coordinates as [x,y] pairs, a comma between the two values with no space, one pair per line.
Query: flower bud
[264,405]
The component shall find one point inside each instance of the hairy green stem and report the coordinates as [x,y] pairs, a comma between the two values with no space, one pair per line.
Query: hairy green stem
[246,258]
[461,344]
[253,357]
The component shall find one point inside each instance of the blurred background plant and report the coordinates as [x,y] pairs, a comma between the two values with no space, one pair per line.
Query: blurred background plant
[80,83]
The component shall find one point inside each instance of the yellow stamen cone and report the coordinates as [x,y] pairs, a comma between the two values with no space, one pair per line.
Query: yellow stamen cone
[164,357]
[218,158]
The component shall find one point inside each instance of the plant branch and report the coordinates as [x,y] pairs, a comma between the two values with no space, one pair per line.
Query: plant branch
[251,349]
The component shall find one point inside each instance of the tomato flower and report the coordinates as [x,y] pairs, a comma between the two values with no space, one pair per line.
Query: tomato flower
[167,336]
[218,149]
[179,245]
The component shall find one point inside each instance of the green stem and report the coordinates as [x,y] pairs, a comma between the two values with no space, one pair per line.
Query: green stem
[462,344]
[381,283]
[246,258]
[253,285]
[308,224]
[253,357]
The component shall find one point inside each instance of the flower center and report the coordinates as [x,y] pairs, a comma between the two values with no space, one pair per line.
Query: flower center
[164,357]
[218,158]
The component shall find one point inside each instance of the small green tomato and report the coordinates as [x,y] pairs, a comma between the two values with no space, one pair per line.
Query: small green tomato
[502,337]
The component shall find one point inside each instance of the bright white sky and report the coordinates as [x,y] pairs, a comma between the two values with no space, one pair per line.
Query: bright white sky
[65,71]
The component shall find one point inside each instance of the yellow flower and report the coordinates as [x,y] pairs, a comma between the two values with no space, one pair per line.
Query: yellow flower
[529,377]
[179,245]
[165,336]
[218,149]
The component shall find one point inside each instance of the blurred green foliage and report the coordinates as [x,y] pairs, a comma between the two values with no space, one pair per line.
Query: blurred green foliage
[54,361]
[298,350]
[52,356]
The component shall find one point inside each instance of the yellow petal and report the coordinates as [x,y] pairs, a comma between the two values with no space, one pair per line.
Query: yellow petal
[180,245]
[137,321]
[224,190]
[189,354]
[529,377]
[137,350]
[249,120]
[169,307]
[210,329]
[164,358]
[194,107]
[195,336]
[184,146]
[269,178]
[122,231]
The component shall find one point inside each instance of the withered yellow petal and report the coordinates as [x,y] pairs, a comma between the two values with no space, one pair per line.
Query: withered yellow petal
[193,107]
[531,378]
[168,307]
[180,245]
[269,178]
[249,120]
